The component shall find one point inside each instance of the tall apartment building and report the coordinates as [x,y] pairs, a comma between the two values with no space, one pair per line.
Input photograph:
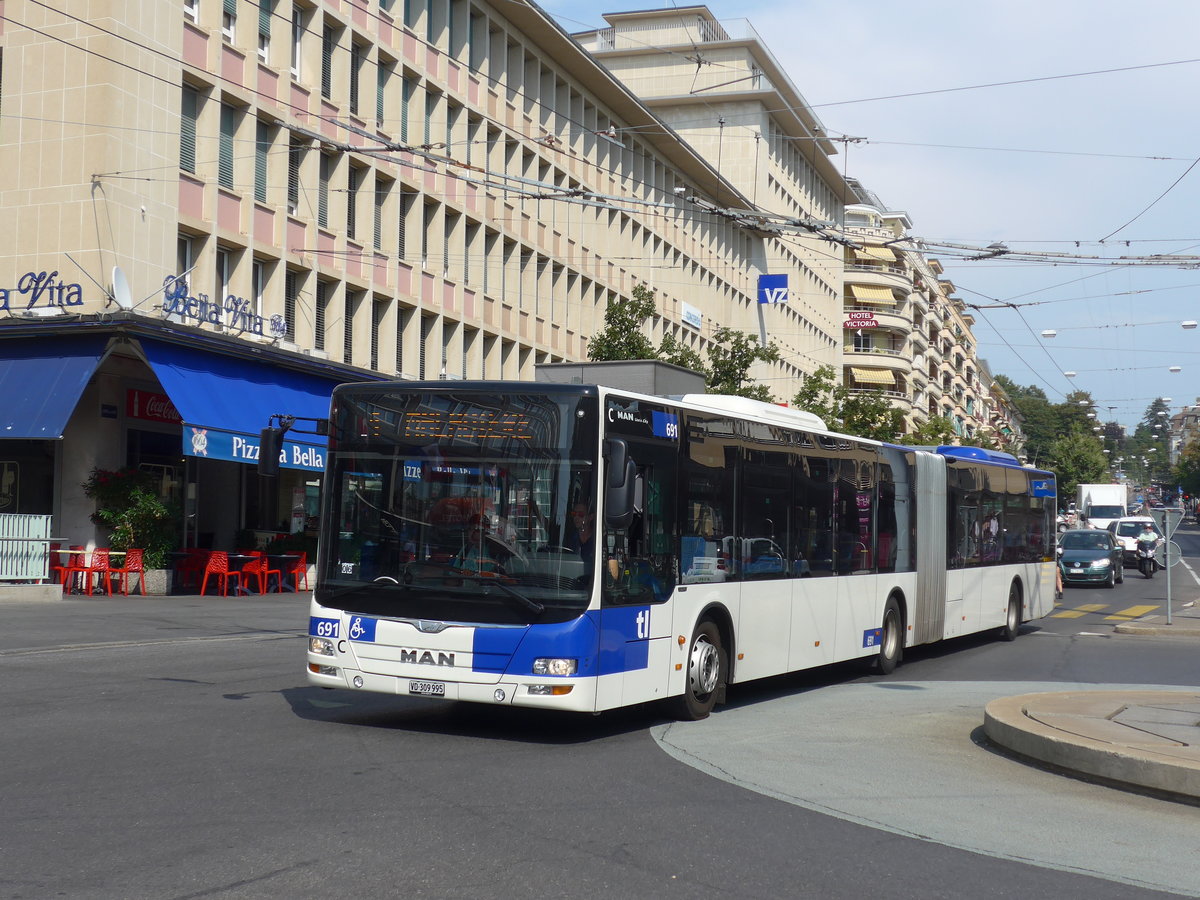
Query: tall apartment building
[718,86]
[215,212]
[907,335]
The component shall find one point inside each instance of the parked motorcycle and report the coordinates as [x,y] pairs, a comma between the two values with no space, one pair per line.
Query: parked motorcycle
[1147,564]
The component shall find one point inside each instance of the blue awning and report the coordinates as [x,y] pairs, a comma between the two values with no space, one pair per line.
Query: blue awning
[225,402]
[41,382]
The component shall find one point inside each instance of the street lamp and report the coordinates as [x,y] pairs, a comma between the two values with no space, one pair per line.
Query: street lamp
[1174,369]
[1050,332]
[1188,323]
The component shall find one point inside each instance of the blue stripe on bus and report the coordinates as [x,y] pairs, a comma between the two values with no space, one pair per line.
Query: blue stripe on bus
[605,643]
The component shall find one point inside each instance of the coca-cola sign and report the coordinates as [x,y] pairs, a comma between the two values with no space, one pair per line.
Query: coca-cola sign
[154,407]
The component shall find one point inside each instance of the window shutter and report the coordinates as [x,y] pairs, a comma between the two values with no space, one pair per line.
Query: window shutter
[188,110]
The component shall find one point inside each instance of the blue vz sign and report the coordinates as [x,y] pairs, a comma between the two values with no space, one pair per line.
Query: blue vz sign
[772,288]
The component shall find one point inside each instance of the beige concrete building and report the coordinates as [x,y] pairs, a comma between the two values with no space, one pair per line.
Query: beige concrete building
[217,211]
[718,86]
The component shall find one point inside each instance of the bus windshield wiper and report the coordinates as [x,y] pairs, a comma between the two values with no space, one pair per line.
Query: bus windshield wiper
[526,603]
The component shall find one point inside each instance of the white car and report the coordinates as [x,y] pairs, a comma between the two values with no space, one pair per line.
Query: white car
[1126,531]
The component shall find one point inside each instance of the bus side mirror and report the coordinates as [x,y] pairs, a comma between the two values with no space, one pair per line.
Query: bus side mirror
[620,486]
[270,442]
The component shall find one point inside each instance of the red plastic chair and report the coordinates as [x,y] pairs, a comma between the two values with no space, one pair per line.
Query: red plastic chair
[97,566]
[190,569]
[69,571]
[298,568]
[218,564]
[259,568]
[133,566]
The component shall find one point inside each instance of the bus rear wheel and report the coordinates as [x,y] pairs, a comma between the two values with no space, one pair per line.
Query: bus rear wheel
[706,674]
[891,639]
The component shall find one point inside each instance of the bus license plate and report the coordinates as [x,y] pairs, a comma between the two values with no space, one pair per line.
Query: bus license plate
[427,688]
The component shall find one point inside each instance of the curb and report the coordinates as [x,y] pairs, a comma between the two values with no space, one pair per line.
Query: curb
[1011,723]
[1184,626]
[1188,630]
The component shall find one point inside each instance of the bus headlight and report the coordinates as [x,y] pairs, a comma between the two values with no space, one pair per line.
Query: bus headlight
[321,646]
[555,666]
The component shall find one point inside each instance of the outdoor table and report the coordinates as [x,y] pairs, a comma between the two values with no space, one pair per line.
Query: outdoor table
[282,562]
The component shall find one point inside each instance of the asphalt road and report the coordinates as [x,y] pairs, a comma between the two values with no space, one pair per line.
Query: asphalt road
[168,748]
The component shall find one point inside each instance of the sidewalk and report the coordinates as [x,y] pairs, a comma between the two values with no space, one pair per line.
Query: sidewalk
[1143,739]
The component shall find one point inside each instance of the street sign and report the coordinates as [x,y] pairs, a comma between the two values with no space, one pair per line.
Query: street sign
[1172,552]
[1168,519]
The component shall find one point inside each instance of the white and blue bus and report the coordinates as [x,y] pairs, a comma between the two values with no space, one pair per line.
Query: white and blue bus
[577,547]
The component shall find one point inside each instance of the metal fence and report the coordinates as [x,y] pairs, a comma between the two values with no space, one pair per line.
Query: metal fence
[24,547]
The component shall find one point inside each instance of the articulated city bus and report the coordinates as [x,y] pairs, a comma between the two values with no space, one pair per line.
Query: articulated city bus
[576,547]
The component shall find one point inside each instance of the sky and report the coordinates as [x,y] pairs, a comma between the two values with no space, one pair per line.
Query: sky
[1017,129]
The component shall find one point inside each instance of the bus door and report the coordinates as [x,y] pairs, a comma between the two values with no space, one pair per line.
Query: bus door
[762,566]
[964,575]
[637,556]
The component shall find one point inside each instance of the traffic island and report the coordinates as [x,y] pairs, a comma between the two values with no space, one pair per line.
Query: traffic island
[1147,740]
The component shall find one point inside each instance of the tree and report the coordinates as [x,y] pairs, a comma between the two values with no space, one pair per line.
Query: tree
[933,432]
[730,353]
[866,414]
[819,395]
[622,337]
[730,356]
[672,351]
[1076,458]
[1186,473]
[870,414]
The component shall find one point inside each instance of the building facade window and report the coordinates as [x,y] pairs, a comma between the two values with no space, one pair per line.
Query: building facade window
[321,305]
[189,111]
[264,30]
[290,292]
[323,190]
[262,151]
[229,13]
[297,42]
[225,146]
[258,279]
[223,275]
[328,42]
[295,158]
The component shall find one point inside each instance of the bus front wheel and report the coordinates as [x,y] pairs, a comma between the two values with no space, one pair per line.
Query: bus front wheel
[891,639]
[706,674]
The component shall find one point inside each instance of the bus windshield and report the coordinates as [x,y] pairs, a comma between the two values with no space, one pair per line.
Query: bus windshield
[456,505]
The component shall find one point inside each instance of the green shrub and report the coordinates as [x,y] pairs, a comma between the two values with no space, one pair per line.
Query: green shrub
[127,502]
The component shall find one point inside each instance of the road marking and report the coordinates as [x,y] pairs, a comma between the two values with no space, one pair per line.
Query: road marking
[1191,571]
[1132,612]
[1078,611]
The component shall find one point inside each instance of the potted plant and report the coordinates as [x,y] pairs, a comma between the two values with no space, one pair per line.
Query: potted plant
[129,505]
